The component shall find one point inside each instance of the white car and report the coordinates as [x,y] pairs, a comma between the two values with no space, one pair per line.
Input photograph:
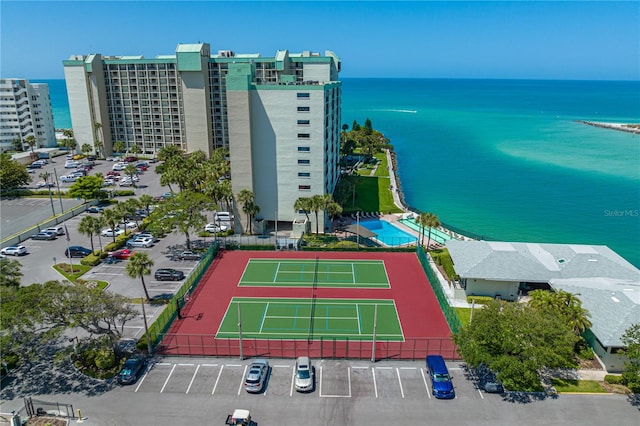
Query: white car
[304,374]
[214,227]
[14,251]
[69,178]
[118,166]
[70,164]
[128,225]
[58,230]
[141,242]
[112,232]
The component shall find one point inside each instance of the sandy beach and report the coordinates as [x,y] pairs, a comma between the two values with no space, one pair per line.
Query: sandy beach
[624,127]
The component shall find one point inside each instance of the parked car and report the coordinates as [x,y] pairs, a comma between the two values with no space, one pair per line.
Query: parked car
[70,164]
[43,184]
[126,183]
[113,173]
[128,225]
[78,157]
[140,242]
[95,209]
[34,166]
[44,236]
[440,379]
[77,251]
[118,166]
[189,255]
[257,376]
[131,369]
[130,159]
[14,251]
[168,274]
[214,227]
[69,178]
[122,254]
[111,232]
[304,374]
[58,230]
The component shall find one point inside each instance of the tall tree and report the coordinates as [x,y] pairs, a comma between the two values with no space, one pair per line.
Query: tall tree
[111,217]
[31,141]
[305,205]
[432,222]
[186,212]
[10,273]
[631,374]
[568,305]
[146,201]
[118,147]
[86,148]
[247,199]
[517,341]
[86,187]
[423,221]
[131,171]
[138,266]
[135,149]
[87,227]
[13,175]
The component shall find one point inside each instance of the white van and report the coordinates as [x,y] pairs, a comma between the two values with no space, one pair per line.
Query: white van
[222,217]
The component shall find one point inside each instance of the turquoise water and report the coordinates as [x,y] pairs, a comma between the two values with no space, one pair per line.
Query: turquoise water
[436,234]
[505,159]
[387,233]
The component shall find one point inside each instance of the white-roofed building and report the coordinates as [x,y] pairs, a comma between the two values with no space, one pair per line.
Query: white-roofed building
[607,285]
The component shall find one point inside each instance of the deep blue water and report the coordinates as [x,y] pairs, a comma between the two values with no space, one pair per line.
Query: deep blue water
[505,159]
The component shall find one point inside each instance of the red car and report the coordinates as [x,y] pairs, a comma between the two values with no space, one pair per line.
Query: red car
[113,173]
[122,254]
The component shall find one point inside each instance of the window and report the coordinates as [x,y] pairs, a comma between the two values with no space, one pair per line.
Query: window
[304,187]
[304,122]
[304,135]
[303,109]
[304,149]
[303,95]
[304,174]
[306,162]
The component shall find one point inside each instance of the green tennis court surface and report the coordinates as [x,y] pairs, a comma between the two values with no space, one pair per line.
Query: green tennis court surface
[269,318]
[309,272]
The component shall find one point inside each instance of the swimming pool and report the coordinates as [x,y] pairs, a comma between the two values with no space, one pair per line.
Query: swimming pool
[388,234]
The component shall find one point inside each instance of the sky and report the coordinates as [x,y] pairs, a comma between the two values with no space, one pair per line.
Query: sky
[565,40]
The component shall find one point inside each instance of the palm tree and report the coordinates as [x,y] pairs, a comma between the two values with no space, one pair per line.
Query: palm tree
[87,227]
[140,265]
[168,152]
[86,148]
[304,204]
[247,199]
[146,201]
[97,143]
[131,171]
[422,220]
[111,219]
[432,222]
[31,141]
[334,209]
[568,305]
[319,202]
[118,146]
[135,149]
[131,205]
[125,210]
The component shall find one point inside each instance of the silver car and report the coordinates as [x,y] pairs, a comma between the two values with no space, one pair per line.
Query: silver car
[304,374]
[257,376]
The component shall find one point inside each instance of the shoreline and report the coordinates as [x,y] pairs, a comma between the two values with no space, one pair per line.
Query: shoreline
[623,127]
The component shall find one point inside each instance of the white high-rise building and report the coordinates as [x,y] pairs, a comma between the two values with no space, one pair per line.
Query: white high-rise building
[279,117]
[25,110]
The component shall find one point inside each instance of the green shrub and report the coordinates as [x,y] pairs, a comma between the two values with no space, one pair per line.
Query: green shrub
[583,350]
[613,379]
[105,359]
[442,258]
[123,192]
[141,346]
[90,260]
[481,300]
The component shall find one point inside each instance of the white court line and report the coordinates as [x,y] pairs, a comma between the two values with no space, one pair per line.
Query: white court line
[400,382]
[426,386]
[266,309]
[358,318]
[275,276]
[168,377]
[217,380]
[353,274]
[375,386]
[243,376]
[193,378]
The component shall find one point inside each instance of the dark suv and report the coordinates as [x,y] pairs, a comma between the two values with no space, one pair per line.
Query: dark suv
[77,251]
[167,274]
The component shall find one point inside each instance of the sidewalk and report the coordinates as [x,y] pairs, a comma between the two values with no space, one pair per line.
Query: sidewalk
[394,184]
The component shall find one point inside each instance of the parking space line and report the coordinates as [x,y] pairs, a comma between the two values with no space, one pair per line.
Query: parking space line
[282,366]
[426,386]
[375,386]
[400,382]
[142,379]
[187,365]
[168,377]
[209,365]
[163,363]
[384,368]
[293,378]
[217,379]
[243,376]
[193,378]
[408,368]
[234,365]
[355,367]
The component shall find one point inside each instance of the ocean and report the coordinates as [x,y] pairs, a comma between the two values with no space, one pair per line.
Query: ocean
[505,159]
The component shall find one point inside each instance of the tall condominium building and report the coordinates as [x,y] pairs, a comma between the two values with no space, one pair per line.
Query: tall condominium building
[279,117]
[25,110]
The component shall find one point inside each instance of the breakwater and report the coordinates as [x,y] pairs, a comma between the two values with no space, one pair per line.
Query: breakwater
[631,128]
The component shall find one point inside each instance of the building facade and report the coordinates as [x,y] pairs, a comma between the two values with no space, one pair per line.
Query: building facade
[25,110]
[278,117]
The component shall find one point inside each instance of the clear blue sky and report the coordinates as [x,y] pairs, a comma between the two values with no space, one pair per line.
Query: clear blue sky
[546,40]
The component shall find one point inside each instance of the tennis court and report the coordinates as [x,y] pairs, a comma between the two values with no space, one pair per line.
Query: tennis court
[311,318]
[330,273]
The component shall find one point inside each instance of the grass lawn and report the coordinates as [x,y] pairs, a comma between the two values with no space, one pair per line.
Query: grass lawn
[65,269]
[464,314]
[373,195]
[584,386]
[382,170]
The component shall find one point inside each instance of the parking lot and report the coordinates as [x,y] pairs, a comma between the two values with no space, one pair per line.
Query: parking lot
[385,380]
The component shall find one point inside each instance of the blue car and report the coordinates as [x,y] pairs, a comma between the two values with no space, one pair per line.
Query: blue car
[131,369]
[440,378]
